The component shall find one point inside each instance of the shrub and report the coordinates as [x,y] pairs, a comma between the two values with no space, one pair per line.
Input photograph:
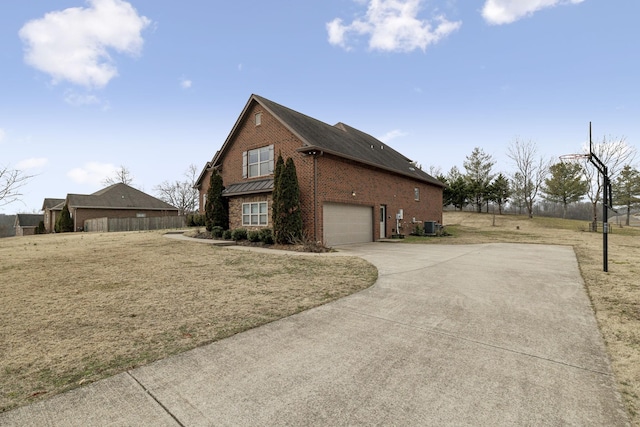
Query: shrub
[196,220]
[253,236]
[419,230]
[216,232]
[266,236]
[226,234]
[239,234]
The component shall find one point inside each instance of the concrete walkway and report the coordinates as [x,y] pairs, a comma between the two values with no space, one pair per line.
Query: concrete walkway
[495,334]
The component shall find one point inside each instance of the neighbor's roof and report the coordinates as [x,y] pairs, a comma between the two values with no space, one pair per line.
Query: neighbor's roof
[118,196]
[52,203]
[340,140]
[28,220]
[249,187]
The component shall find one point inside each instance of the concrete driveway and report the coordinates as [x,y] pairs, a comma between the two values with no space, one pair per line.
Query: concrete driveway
[495,334]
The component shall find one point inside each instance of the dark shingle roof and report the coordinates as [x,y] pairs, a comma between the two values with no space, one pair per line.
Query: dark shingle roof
[118,196]
[29,220]
[52,203]
[249,187]
[344,141]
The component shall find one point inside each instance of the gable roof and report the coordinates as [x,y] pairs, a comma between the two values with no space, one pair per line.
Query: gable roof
[340,140]
[52,204]
[28,220]
[118,196]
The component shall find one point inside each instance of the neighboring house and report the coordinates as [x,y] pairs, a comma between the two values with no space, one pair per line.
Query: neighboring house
[353,187]
[51,209]
[26,224]
[116,201]
[7,225]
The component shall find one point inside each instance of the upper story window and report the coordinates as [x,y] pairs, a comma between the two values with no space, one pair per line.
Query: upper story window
[416,194]
[258,162]
[258,118]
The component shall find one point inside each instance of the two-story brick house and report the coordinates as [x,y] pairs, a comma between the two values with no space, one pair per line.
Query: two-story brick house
[352,186]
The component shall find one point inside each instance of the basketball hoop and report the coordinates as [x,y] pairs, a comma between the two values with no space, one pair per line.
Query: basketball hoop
[572,157]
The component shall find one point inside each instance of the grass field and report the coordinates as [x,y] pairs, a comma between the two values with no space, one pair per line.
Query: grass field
[615,295]
[79,307]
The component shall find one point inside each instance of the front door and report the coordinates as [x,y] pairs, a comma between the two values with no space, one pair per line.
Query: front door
[383,221]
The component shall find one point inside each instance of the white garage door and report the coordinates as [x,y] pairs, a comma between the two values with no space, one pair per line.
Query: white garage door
[344,224]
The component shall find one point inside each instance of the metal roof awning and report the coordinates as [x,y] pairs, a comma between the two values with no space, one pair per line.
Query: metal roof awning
[249,187]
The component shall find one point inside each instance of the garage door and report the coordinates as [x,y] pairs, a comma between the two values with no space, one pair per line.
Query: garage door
[344,224]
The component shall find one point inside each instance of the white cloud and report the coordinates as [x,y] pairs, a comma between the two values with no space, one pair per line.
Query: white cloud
[32,163]
[92,173]
[396,133]
[498,12]
[185,83]
[77,99]
[393,26]
[73,44]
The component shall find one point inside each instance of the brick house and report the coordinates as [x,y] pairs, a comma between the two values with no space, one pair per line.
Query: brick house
[353,187]
[116,201]
[26,224]
[51,209]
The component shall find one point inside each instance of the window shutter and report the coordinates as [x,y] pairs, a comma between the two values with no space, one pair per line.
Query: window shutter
[244,164]
[271,158]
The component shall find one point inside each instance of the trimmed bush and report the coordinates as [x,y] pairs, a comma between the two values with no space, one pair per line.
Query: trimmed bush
[196,220]
[226,234]
[239,234]
[253,236]
[216,232]
[266,236]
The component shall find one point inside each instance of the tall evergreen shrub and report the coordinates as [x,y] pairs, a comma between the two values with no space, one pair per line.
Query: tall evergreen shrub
[217,206]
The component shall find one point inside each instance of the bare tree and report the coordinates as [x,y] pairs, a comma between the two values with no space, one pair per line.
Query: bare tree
[122,175]
[181,194]
[532,170]
[614,152]
[11,180]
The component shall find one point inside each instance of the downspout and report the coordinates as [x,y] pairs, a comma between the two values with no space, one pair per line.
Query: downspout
[315,198]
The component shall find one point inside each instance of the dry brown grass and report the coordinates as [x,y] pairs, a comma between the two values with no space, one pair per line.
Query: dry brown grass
[79,307]
[615,295]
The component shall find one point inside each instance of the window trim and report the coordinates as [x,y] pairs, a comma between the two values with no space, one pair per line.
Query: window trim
[248,217]
[258,119]
[416,194]
[246,165]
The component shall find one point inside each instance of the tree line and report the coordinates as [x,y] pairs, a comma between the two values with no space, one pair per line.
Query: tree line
[537,180]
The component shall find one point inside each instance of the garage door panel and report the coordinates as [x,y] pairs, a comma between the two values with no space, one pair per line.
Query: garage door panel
[344,224]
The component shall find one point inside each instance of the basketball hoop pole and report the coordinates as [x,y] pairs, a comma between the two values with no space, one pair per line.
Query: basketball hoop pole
[606,195]
[606,188]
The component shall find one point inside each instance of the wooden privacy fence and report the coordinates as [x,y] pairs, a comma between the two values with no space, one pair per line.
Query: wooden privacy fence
[134,224]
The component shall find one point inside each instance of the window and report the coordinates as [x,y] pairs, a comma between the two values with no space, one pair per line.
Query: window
[258,118]
[141,215]
[416,194]
[254,213]
[258,162]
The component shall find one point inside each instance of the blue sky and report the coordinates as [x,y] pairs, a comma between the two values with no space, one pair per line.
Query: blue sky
[87,86]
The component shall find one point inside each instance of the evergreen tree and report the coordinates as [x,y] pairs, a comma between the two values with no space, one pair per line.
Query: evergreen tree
[40,229]
[285,207]
[277,208]
[64,223]
[478,166]
[626,189]
[457,192]
[565,185]
[499,191]
[217,206]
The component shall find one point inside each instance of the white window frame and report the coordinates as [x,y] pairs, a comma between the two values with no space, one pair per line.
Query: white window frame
[255,214]
[416,194]
[258,162]
[258,119]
